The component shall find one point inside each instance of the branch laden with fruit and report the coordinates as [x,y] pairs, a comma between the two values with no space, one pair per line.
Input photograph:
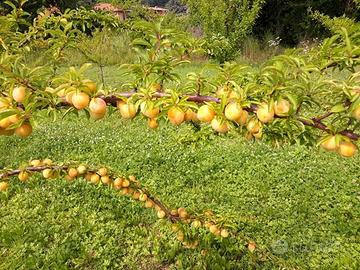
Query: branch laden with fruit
[276,102]
[186,225]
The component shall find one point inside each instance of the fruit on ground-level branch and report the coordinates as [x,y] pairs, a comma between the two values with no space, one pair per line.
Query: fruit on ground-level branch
[196,224]
[102,171]
[356,113]
[233,111]
[127,110]
[143,197]
[72,172]
[80,100]
[176,115]
[136,195]
[47,173]
[347,149]
[213,229]
[205,114]
[19,94]
[47,162]
[224,233]
[152,123]
[35,163]
[106,180]
[220,125]
[81,169]
[190,115]
[182,212]
[95,178]
[23,176]
[24,130]
[330,144]
[265,113]
[4,186]
[97,106]
[126,183]
[161,214]
[118,183]
[149,204]
[282,107]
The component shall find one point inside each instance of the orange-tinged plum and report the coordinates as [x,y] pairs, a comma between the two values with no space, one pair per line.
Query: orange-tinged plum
[205,114]
[219,125]
[4,186]
[72,172]
[242,120]
[190,115]
[24,130]
[330,144]
[127,110]
[23,176]
[152,123]
[347,149]
[265,113]
[80,100]
[176,115]
[149,110]
[97,106]
[233,111]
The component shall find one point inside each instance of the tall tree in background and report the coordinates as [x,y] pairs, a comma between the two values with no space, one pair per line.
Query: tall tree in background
[291,20]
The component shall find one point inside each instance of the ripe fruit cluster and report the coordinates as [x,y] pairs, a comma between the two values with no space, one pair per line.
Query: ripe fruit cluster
[339,144]
[17,122]
[129,186]
[80,98]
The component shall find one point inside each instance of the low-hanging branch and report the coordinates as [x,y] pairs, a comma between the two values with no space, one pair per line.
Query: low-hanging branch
[315,121]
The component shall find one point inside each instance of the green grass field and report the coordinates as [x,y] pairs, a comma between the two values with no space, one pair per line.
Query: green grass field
[300,205]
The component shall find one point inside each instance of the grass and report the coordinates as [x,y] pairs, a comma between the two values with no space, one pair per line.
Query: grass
[300,204]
